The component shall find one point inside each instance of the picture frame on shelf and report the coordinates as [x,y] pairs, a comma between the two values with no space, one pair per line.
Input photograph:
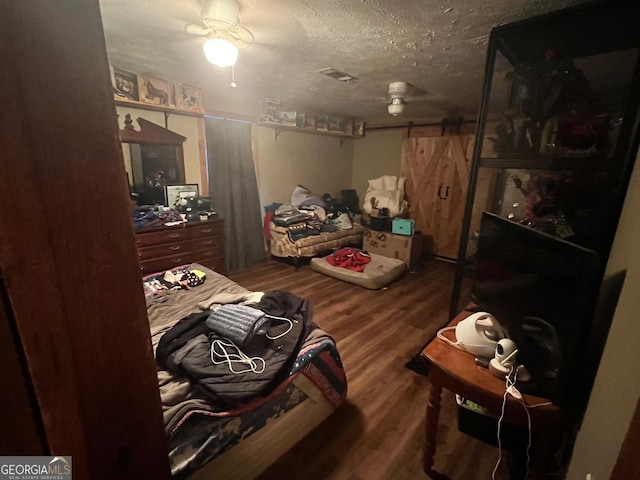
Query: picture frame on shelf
[301,120]
[335,124]
[125,84]
[322,123]
[189,97]
[358,128]
[310,122]
[288,118]
[156,91]
[348,127]
[269,110]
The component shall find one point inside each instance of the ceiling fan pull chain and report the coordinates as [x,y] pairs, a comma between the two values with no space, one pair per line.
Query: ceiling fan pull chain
[233,77]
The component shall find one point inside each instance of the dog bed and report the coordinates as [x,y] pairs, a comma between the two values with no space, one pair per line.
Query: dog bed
[378,273]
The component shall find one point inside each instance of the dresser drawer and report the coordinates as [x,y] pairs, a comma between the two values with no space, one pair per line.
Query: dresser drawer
[215,251]
[165,236]
[164,250]
[206,230]
[207,242]
[167,247]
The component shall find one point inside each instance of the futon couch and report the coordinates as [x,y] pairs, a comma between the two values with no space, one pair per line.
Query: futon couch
[312,245]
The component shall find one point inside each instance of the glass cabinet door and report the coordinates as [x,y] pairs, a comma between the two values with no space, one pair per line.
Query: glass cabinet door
[557,133]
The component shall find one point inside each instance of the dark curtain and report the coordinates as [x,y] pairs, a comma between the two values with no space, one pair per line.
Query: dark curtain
[234,189]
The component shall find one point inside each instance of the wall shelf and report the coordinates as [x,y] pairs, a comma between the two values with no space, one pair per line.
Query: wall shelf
[158,108]
[278,128]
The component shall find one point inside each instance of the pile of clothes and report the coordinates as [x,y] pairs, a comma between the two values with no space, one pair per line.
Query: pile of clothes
[179,278]
[309,215]
[155,216]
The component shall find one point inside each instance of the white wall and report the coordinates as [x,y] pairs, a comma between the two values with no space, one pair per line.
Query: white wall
[377,154]
[318,162]
[185,125]
[616,389]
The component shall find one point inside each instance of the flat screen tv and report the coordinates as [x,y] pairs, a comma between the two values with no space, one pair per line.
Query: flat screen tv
[543,290]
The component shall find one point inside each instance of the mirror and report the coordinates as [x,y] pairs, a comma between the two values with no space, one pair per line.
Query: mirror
[154,159]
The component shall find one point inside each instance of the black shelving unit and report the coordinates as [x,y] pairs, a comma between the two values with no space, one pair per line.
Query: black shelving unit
[557,127]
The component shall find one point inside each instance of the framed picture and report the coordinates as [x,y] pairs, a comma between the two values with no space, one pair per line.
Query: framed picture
[335,124]
[189,98]
[156,91]
[177,195]
[310,122]
[301,120]
[125,84]
[288,118]
[269,110]
[358,128]
[322,123]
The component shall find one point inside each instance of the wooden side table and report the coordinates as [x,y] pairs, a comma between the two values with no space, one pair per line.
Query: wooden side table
[456,370]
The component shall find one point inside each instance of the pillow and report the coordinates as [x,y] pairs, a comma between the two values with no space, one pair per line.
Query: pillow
[304,196]
[389,182]
[376,184]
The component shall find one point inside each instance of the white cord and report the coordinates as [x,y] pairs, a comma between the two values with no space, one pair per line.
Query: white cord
[510,388]
[504,403]
[459,345]
[281,334]
[219,349]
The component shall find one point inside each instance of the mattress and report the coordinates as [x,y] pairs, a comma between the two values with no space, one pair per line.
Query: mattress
[378,273]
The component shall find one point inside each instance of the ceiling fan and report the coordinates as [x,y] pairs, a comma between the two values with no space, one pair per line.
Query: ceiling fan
[400,93]
[221,24]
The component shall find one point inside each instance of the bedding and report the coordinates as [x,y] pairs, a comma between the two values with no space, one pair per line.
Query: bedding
[198,427]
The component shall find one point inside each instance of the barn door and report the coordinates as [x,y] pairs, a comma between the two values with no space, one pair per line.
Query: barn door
[437,171]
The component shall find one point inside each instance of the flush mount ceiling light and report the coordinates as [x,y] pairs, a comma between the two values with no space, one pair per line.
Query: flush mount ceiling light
[220,51]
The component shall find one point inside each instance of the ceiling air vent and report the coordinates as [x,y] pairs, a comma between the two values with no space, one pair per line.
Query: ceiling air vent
[338,75]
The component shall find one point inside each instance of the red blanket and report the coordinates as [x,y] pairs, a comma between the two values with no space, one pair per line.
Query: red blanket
[351,258]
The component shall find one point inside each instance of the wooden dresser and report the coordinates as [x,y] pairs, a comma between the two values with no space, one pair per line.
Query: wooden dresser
[166,247]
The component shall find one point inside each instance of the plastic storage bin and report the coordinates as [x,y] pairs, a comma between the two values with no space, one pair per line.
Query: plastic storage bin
[403,226]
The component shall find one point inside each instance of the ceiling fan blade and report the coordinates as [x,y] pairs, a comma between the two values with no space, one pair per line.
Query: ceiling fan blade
[195,29]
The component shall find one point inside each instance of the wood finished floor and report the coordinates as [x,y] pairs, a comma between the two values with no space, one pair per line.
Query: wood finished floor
[379,432]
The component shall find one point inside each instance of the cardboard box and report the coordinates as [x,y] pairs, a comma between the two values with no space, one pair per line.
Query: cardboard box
[407,248]
[403,226]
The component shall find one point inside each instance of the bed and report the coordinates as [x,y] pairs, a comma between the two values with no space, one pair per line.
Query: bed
[208,440]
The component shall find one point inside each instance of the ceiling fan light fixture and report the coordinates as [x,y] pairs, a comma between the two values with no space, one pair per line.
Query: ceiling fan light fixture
[396,107]
[220,51]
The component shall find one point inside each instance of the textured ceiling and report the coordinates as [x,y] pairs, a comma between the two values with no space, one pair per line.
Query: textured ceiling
[438,46]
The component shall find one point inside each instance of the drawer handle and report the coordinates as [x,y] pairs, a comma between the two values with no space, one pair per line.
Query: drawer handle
[175,248]
[207,242]
[177,260]
[174,235]
[206,230]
